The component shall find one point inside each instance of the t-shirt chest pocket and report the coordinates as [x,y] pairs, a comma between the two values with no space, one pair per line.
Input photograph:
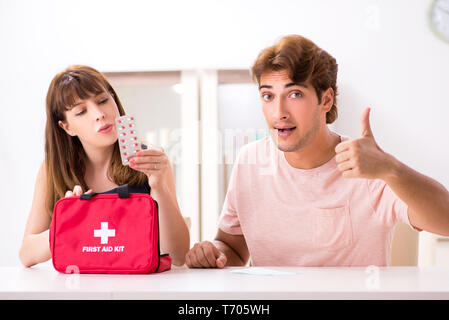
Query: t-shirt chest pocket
[332,228]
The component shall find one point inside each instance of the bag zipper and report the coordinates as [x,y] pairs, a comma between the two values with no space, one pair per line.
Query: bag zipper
[158,238]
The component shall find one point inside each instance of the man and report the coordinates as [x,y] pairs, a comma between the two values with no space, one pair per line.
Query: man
[293,199]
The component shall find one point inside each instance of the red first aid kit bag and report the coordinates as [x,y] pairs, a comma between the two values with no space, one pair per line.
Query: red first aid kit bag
[107,233]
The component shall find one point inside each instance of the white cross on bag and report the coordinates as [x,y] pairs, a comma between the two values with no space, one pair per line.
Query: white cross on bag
[104,233]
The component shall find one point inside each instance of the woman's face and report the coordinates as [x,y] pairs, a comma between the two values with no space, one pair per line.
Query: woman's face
[93,120]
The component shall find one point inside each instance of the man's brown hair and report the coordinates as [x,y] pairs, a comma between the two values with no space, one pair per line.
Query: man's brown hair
[304,61]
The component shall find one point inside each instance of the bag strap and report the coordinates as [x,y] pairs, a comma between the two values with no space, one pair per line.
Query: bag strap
[121,190]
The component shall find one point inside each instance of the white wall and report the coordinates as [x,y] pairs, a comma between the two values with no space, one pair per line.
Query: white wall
[388,59]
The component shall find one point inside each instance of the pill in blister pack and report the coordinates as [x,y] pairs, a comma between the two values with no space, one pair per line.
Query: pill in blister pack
[127,138]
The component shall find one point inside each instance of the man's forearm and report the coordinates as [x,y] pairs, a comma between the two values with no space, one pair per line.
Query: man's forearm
[233,259]
[428,200]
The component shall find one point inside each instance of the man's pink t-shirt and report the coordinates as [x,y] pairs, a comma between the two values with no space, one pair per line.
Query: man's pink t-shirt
[296,217]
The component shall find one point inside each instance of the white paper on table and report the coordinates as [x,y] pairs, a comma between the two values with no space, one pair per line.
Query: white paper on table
[263,272]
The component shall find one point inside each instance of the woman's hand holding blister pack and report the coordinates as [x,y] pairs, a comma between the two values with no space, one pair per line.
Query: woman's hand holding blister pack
[152,161]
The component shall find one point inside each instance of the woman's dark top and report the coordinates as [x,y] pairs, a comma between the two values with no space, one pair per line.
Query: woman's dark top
[143,188]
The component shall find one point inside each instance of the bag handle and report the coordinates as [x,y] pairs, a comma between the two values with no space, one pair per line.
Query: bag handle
[121,190]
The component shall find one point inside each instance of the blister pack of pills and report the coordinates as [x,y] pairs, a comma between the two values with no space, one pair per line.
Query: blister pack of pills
[127,138]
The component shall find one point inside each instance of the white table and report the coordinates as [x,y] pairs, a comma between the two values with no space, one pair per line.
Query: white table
[43,282]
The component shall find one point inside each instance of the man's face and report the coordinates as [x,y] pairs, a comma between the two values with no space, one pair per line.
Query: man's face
[291,110]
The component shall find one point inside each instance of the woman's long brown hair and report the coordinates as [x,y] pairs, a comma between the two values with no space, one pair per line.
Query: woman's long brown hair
[65,157]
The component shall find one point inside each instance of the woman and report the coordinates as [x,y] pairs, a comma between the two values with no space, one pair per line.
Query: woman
[82,152]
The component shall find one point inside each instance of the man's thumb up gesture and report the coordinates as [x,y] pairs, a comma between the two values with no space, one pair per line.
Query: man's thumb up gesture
[366,127]
[363,158]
